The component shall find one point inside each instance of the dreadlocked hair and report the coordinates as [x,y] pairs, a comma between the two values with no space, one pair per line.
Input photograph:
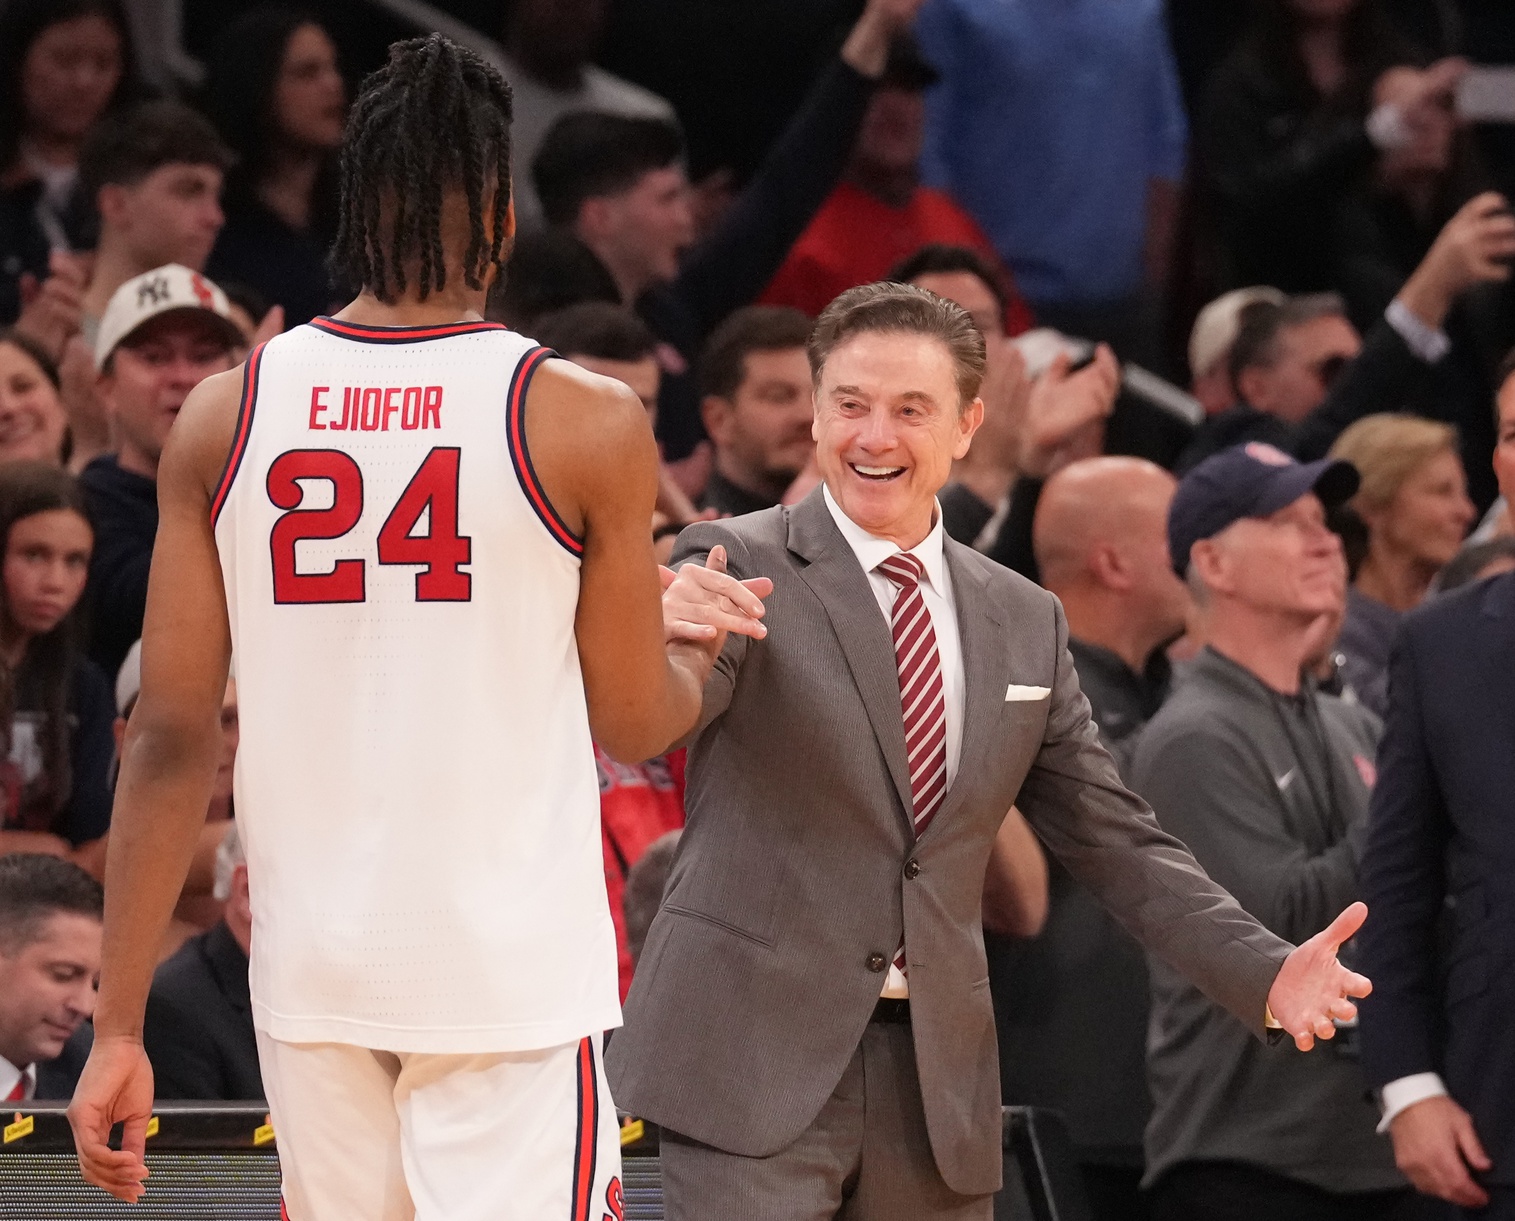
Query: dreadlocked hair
[434,117]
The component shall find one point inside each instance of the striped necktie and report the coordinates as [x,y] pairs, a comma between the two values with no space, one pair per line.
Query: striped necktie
[18,1092]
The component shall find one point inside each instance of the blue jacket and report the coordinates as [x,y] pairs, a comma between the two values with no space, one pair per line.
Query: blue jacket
[1438,872]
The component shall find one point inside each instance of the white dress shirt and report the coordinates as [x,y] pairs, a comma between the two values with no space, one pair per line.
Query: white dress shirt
[1401,1095]
[936,592]
[10,1074]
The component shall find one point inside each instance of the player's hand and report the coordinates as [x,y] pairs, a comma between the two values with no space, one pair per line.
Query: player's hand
[115,1087]
[1313,990]
[701,604]
[1434,1146]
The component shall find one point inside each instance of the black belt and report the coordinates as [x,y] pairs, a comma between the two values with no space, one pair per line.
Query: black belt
[893,1010]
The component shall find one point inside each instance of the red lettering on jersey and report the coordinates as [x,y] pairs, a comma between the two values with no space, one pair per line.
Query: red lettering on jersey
[614,1200]
[347,411]
[317,406]
[431,408]
[375,396]
[410,410]
[390,406]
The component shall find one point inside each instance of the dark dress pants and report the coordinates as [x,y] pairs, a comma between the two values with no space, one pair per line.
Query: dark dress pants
[1231,1191]
[866,1157]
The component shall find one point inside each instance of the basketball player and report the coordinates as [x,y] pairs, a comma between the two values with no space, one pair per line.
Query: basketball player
[429,545]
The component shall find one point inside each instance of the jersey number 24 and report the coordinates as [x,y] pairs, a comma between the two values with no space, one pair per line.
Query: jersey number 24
[440,553]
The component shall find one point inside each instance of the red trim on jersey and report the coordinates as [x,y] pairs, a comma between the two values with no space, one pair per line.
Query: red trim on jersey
[587,1143]
[244,429]
[283,1210]
[520,456]
[400,334]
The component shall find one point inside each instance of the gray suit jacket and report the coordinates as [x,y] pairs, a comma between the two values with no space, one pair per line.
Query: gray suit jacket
[791,888]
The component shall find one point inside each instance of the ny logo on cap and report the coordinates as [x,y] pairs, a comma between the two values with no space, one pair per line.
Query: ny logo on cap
[151,292]
[1268,455]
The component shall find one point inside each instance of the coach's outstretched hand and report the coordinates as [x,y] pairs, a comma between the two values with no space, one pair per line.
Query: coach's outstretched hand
[702,604]
[115,1087]
[1313,988]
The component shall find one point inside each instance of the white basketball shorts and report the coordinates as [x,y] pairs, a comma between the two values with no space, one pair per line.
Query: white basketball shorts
[384,1136]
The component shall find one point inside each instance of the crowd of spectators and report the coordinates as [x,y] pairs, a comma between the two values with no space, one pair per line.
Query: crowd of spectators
[1245,313]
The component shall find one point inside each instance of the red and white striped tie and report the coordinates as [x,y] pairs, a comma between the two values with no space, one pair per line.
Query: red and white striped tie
[922,699]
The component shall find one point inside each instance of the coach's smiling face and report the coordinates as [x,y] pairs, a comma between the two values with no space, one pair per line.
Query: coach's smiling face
[889,422]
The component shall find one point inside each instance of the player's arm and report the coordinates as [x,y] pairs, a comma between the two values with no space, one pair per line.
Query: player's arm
[168,766]
[594,452]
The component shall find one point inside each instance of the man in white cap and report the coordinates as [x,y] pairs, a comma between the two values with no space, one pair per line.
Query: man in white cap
[1211,340]
[162,333]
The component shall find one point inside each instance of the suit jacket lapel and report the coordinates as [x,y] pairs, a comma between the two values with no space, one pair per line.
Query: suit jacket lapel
[838,580]
[986,671]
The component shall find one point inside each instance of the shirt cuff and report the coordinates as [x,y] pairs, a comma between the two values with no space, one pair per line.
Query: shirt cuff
[1269,1021]
[1427,342]
[1401,1095]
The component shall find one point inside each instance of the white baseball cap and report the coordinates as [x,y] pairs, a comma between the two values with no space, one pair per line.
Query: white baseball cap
[1216,328]
[163,290]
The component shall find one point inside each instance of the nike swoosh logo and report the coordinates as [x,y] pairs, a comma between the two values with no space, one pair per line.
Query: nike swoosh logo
[1285,780]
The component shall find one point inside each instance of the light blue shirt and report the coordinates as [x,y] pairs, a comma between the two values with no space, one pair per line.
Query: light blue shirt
[1051,119]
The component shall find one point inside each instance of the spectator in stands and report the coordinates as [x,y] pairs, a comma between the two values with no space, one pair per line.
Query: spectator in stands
[1414,504]
[1439,872]
[755,378]
[1300,112]
[199,1027]
[618,186]
[50,918]
[63,64]
[33,426]
[1082,100]
[1301,373]
[880,213]
[1212,338]
[978,283]
[1268,782]
[549,48]
[1073,1027]
[276,95]
[55,714]
[163,332]
[155,174]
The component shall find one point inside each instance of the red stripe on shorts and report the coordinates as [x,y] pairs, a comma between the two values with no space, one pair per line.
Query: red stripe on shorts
[586,1144]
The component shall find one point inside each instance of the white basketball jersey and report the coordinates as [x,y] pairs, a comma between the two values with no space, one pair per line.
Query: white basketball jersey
[415,784]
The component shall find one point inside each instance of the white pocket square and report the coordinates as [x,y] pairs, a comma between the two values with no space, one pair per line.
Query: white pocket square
[1015,691]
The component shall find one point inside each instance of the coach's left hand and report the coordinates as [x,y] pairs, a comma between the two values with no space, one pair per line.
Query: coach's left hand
[1313,989]
[701,604]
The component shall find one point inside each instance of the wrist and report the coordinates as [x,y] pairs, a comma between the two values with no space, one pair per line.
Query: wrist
[1427,297]
[867,47]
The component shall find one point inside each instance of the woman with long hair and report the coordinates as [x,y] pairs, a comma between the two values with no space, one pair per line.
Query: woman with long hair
[33,423]
[55,704]
[1414,509]
[275,92]
[63,64]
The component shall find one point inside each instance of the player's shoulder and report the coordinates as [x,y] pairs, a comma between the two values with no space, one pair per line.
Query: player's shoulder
[598,411]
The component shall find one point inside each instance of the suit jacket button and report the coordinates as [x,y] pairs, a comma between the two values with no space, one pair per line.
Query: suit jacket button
[877,962]
[912,868]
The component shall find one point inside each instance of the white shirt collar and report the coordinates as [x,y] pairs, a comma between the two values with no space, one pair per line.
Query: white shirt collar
[10,1074]
[872,551]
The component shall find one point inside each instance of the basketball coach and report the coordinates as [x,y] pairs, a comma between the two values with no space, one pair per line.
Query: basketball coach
[810,1021]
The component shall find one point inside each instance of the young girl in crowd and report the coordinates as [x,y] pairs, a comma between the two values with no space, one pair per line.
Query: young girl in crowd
[33,426]
[55,704]
[63,64]
[275,93]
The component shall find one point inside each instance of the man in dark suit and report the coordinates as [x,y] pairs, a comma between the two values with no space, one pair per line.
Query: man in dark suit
[1439,874]
[50,927]
[810,1022]
[199,1029]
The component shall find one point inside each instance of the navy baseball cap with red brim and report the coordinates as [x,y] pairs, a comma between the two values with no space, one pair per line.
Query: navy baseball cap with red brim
[1251,480]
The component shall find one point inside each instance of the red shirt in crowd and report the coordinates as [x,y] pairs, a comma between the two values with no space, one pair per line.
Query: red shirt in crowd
[638,803]
[856,238]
